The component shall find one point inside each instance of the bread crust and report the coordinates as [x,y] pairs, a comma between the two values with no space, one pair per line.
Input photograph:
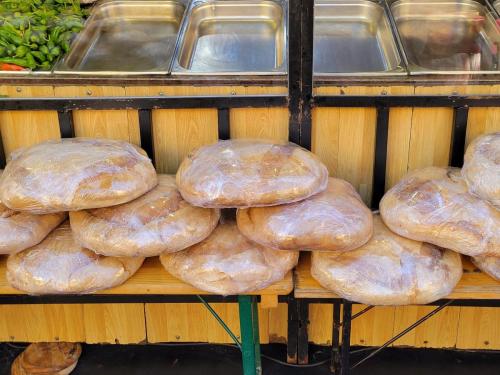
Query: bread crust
[433,205]
[389,270]
[333,220]
[227,263]
[489,265]
[250,173]
[157,222]
[75,174]
[59,266]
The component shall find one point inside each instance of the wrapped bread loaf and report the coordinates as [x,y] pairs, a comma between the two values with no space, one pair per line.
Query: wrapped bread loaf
[47,358]
[227,263]
[250,173]
[489,265]
[75,174]
[333,220]
[434,205]
[59,266]
[389,270]
[482,167]
[20,230]
[159,221]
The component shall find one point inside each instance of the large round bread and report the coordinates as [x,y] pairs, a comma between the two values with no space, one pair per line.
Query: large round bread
[75,174]
[389,270]
[159,221]
[44,358]
[482,167]
[333,220]
[250,173]
[227,263]
[434,205]
[489,265]
[59,266]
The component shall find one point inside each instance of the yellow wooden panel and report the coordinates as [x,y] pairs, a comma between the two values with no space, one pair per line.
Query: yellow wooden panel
[320,324]
[278,324]
[114,323]
[25,128]
[260,123]
[440,331]
[36,323]
[479,328]
[112,124]
[373,327]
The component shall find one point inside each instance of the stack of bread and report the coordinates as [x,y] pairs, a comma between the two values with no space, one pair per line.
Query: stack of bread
[426,221]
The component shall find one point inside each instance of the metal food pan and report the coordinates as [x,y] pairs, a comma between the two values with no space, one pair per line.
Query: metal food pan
[229,37]
[447,36]
[126,37]
[354,37]
[496,5]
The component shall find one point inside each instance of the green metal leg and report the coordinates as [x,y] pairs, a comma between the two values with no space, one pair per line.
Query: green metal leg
[250,343]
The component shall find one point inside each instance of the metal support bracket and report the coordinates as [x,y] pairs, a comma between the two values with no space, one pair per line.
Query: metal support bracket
[250,343]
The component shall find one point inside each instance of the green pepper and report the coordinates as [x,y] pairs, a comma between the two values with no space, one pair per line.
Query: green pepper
[21,51]
[56,51]
[27,36]
[65,46]
[30,60]
[45,65]
[39,56]
[15,61]
[44,49]
[3,51]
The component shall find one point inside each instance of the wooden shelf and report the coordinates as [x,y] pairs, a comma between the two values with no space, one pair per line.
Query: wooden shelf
[473,285]
[153,279]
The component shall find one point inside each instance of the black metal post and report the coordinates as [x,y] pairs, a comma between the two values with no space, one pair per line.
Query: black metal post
[307,54]
[223,120]
[293,330]
[346,338]
[66,124]
[335,361]
[303,340]
[379,165]
[146,131]
[460,118]
[294,70]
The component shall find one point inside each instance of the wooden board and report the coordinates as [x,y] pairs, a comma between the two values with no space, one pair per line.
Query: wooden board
[473,285]
[153,279]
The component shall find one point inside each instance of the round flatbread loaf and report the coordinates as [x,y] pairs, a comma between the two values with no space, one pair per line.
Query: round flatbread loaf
[54,358]
[75,174]
[250,173]
[59,266]
[434,205]
[389,270]
[489,265]
[159,221]
[227,263]
[333,220]
[482,167]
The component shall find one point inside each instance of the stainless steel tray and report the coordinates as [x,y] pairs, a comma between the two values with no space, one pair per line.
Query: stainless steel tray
[354,37]
[447,37]
[233,37]
[496,5]
[126,37]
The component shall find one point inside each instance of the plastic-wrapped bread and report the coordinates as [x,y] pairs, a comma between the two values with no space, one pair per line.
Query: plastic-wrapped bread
[434,205]
[250,173]
[47,358]
[227,263]
[59,266]
[333,220]
[20,230]
[489,265]
[159,221]
[75,174]
[481,168]
[389,270]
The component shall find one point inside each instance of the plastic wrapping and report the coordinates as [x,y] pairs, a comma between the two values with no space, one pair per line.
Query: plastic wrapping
[74,174]
[47,358]
[59,266]
[159,221]
[434,205]
[389,270]
[333,220]
[250,173]
[481,168]
[20,230]
[489,265]
[227,263]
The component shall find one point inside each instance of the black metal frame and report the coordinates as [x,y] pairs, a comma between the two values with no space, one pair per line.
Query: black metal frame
[301,103]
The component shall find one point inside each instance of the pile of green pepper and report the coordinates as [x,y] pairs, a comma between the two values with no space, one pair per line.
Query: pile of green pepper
[35,33]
